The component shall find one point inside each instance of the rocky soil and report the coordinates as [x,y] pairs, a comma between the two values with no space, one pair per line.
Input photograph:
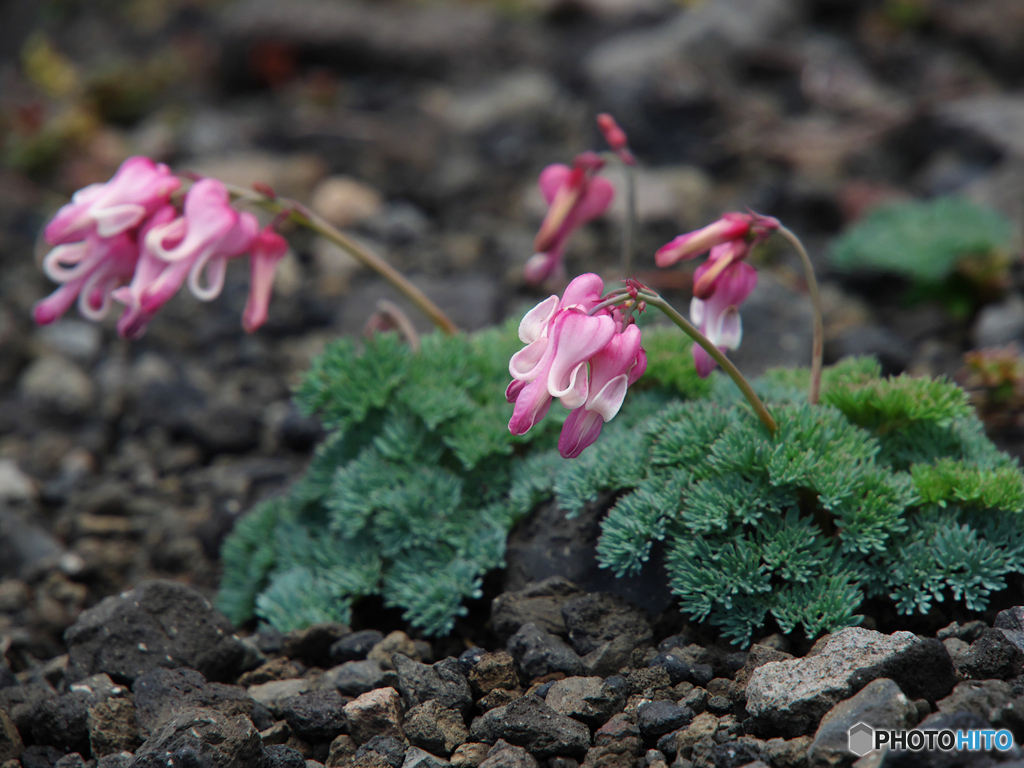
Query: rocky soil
[420,128]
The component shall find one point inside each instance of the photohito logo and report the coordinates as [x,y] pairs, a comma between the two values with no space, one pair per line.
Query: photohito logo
[862,738]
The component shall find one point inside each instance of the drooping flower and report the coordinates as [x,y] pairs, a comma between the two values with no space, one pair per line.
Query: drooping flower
[724,281]
[267,251]
[718,316]
[88,271]
[619,364]
[574,196]
[575,357]
[139,188]
[616,138]
[208,233]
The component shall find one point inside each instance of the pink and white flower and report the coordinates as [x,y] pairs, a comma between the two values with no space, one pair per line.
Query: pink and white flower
[718,316]
[575,357]
[574,196]
[268,249]
[139,188]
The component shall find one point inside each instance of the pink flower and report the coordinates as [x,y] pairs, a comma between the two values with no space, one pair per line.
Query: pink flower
[574,196]
[139,187]
[268,249]
[616,138]
[620,363]
[722,282]
[208,233]
[89,271]
[718,316]
[133,321]
[575,357]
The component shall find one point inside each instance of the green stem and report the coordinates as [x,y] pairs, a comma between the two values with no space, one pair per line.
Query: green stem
[655,300]
[301,215]
[818,345]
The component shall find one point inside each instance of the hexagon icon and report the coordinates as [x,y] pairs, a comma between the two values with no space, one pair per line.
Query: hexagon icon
[861,739]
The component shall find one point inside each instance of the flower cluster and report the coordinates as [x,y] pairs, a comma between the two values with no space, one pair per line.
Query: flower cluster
[574,196]
[724,281]
[583,355]
[124,241]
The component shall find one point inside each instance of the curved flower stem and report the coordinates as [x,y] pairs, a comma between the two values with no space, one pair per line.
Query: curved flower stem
[817,349]
[299,214]
[654,300]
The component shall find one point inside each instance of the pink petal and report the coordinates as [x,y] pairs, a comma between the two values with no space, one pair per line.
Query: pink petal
[577,338]
[536,320]
[584,291]
[595,201]
[579,432]
[513,390]
[267,251]
[551,178]
[732,226]
[704,362]
[579,387]
[532,405]
[525,364]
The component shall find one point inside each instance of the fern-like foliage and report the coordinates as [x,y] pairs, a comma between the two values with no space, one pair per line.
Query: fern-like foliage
[889,488]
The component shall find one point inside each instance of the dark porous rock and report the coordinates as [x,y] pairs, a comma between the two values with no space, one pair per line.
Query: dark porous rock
[701,674]
[117,760]
[162,693]
[22,702]
[530,723]
[470,754]
[312,645]
[923,670]
[113,727]
[157,624]
[992,700]
[353,678]
[7,677]
[499,697]
[645,682]
[788,698]
[788,752]
[493,670]
[63,722]
[316,716]
[880,703]
[656,718]
[617,744]
[354,646]
[940,721]
[281,756]
[341,752]
[597,618]
[1011,623]
[435,728]
[206,738]
[275,669]
[993,655]
[742,751]
[71,760]
[470,658]
[11,745]
[420,758]
[381,750]
[969,631]
[539,602]
[443,682]
[678,670]
[757,656]
[588,699]
[540,653]
[504,755]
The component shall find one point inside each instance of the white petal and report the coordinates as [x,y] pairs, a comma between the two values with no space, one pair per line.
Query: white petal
[575,394]
[536,320]
[523,365]
[696,311]
[114,220]
[608,401]
[730,329]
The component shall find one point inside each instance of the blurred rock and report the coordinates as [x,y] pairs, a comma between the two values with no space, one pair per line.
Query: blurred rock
[344,201]
[288,175]
[75,339]
[56,382]
[523,94]
[999,324]
[998,118]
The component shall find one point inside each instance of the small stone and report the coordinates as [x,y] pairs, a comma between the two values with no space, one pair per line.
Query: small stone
[113,727]
[344,201]
[499,697]
[435,728]
[355,677]
[678,670]
[442,681]
[540,653]
[56,382]
[742,751]
[160,693]
[646,681]
[11,745]
[880,703]
[587,699]
[494,670]
[15,485]
[757,656]
[275,669]
[395,642]
[993,655]
[469,755]
[504,755]
[530,723]
[342,752]
[660,717]
[375,713]
[210,737]
[316,715]
[382,750]
[273,694]
[355,646]
[599,617]
[999,323]
[281,756]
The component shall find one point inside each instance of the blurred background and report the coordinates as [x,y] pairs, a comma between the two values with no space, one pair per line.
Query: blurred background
[889,134]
